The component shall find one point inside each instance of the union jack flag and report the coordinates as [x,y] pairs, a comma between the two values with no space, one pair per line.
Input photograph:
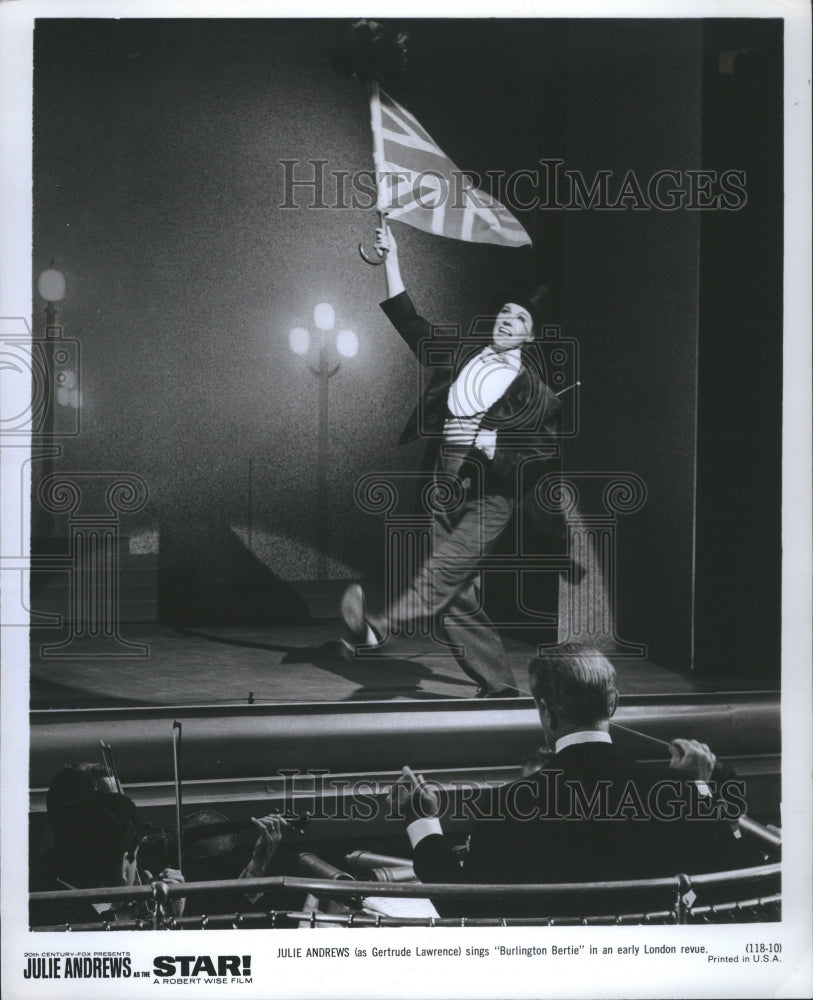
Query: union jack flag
[420,185]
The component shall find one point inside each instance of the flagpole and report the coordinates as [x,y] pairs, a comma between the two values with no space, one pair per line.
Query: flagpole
[378,140]
[376,127]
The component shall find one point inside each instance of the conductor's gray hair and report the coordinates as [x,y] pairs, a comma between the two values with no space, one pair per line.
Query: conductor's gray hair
[577,683]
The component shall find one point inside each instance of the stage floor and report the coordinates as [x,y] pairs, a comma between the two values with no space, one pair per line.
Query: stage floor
[275,664]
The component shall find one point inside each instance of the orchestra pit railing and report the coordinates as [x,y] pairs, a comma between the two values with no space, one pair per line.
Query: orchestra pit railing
[752,894]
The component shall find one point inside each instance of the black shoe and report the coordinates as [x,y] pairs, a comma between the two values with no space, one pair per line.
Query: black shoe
[354,613]
[506,692]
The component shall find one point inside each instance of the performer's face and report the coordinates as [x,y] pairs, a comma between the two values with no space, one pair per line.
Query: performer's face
[513,327]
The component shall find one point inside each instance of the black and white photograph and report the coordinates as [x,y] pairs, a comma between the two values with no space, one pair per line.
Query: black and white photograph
[406,516]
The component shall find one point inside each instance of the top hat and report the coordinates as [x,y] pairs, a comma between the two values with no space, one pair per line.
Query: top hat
[538,302]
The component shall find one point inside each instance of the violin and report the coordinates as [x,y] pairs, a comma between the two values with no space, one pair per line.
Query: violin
[197,837]
[206,834]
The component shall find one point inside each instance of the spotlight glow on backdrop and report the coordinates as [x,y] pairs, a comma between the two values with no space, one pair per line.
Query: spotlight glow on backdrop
[299,340]
[347,343]
[324,316]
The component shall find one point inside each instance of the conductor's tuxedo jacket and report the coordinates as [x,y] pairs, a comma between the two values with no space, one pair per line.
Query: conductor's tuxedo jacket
[589,815]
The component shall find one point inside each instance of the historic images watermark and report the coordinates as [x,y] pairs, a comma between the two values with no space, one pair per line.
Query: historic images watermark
[548,186]
[546,796]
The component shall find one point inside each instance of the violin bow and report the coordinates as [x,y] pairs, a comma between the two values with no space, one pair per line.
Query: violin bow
[176,759]
[110,765]
[109,762]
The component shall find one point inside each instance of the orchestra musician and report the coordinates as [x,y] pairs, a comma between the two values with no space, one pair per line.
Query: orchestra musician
[590,814]
[96,840]
[97,835]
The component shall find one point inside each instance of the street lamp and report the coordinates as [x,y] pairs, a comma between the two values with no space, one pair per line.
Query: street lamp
[300,341]
[53,357]
[51,286]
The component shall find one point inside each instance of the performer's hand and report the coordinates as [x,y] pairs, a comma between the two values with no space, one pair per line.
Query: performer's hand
[413,797]
[386,246]
[693,758]
[385,242]
[271,829]
[174,906]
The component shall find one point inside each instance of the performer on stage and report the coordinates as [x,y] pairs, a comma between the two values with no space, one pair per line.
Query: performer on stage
[492,422]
